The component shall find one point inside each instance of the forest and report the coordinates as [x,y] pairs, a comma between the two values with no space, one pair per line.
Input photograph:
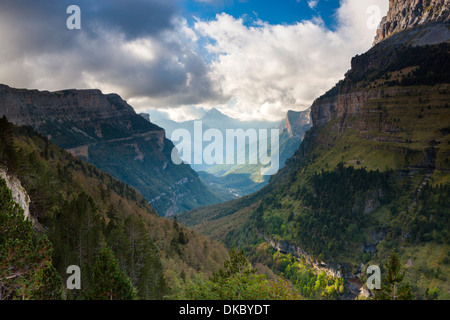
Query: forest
[86,218]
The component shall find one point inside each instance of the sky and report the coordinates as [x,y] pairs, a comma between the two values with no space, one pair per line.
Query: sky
[176,59]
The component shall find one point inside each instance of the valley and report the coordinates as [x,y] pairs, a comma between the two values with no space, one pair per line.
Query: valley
[362,179]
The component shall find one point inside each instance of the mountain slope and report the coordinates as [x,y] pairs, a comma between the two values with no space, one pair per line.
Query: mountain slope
[81,209]
[372,175]
[105,130]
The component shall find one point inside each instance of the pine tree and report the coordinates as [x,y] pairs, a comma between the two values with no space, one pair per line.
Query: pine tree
[392,288]
[235,265]
[108,281]
[26,270]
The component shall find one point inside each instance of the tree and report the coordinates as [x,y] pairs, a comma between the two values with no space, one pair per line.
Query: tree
[238,281]
[26,270]
[236,264]
[8,153]
[108,281]
[392,288]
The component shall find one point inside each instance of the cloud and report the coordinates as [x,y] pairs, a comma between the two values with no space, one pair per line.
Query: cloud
[269,69]
[140,48]
[313,3]
[145,51]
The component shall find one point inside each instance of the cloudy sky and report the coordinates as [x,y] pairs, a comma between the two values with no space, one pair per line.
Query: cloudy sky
[252,59]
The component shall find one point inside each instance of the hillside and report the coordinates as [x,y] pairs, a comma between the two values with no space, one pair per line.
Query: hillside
[371,176]
[105,131]
[79,210]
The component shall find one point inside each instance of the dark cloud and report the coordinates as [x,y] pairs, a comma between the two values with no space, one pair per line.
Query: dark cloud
[136,18]
[38,51]
[43,23]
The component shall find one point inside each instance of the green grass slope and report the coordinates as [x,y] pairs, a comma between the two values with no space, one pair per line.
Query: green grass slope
[364,182]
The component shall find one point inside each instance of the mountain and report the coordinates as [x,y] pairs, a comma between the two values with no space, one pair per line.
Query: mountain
[212,119]
[74,211]
[104,130]
[231,181]
[405,15]
[370,177]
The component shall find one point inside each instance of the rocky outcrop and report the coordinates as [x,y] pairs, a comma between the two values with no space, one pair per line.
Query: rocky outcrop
[403,33]
[406,14]
[297,123]
[89,115]
[19,193]
[106,131]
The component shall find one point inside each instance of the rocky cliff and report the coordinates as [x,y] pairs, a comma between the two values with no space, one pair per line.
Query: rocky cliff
[19,193]
[297,123]
[406,14]
[89,115]
[105,130]
[400,58]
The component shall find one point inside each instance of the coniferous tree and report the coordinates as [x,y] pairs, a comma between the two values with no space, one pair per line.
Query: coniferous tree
[26,270]
[392,288]
[108,281]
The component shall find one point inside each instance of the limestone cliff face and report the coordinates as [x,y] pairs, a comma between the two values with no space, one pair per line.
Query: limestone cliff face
[106,131]
[19,193]
[405,14]
[297,123]
[412,23]
[89,114]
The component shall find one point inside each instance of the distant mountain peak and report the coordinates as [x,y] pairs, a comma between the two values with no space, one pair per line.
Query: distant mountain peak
[215,114]
[406,14]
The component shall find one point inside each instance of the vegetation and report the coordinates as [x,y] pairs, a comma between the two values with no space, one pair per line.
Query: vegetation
[86,218]
[26,268]
[365,182]
[392,288]
[332,214]
[238,280]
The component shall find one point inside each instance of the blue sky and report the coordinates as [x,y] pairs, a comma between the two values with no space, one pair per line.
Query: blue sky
[271,11]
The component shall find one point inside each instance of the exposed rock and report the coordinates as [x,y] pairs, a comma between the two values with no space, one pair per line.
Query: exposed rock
[106,131]
[297,123]
[81,151]
[406,14]
[146,116]
[19,193]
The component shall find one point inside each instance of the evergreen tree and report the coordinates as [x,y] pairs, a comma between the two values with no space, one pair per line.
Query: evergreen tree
[236,264]
[238,281]
[26,270]
[108,281]
[392,288]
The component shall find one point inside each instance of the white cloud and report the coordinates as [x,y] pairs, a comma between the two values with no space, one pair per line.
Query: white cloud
[258,71]
[269,69]
[313,3]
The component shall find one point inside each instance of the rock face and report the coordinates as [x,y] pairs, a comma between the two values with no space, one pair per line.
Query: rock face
[89,115]
[104,130]
[411,22]
[19,193]
[297,123]
[406,14]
